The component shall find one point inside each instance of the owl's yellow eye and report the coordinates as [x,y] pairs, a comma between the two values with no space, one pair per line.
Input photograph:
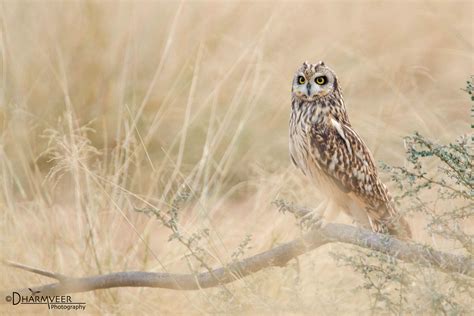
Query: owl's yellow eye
[301,80]
[321,80]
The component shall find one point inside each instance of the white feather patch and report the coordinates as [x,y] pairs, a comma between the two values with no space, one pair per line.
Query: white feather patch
[333,163]
[340,131]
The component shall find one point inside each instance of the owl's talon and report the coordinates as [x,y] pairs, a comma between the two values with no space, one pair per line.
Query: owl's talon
[311,221]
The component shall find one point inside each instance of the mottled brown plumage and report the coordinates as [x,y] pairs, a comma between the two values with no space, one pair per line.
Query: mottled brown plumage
[324,146]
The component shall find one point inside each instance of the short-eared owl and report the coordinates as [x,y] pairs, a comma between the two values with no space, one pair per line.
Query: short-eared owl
[325,147]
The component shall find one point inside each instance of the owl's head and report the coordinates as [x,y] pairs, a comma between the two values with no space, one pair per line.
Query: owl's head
[314,81]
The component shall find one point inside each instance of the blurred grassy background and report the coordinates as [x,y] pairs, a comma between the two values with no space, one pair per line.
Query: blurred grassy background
[198,93]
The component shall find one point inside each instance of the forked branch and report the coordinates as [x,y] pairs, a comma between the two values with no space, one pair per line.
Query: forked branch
[278,256]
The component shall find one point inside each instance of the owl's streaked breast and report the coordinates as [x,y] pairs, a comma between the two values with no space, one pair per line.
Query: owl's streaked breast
[302,119]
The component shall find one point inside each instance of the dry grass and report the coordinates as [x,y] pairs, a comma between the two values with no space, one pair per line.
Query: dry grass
[109,106]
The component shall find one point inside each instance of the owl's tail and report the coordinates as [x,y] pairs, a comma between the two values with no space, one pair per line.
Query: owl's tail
[390,221]
[399,227]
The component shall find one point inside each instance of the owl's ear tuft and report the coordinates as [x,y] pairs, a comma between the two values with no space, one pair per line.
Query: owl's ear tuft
[321,63]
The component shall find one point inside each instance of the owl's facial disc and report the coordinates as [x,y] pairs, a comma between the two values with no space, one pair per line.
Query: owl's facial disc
[313,81]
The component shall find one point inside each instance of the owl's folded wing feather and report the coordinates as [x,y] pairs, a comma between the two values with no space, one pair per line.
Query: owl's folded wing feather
[345,158]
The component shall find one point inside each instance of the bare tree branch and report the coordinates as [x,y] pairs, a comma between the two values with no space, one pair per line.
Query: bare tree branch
[278,256]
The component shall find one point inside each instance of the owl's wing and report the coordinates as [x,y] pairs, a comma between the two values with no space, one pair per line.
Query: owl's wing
[347,161]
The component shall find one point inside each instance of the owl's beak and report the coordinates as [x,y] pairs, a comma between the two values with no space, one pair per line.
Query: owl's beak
[308,87]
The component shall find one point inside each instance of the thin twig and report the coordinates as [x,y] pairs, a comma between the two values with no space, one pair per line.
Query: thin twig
[57,276]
